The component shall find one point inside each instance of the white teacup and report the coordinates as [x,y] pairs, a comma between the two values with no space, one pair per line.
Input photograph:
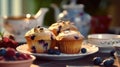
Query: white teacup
[104,41]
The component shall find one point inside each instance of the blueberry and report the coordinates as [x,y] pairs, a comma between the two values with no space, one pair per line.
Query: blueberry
[76,37]
[108,62]
[41,41]
[32,37]
[33,49]
[97,60]
[2,51]
[112,52]
[50,51]
[10,59]
[45,45]
[57,52]
[54,51]
[51,37]
[112,61]
[17,54]
[83,50]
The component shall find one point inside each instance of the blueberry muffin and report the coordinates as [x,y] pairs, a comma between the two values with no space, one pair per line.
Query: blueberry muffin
[39,39]
[70,41]
[60,26]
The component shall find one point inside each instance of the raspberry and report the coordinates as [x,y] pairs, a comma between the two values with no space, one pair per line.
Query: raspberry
[28,56]
[6,42]
[24,56]
[1,58]
[10,52]
[5,39]
[20,58]
[14,44]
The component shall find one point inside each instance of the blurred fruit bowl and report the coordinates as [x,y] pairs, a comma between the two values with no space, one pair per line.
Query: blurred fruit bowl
[9,57]
[20,63]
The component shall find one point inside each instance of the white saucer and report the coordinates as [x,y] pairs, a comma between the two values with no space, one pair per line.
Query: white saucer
[91,49]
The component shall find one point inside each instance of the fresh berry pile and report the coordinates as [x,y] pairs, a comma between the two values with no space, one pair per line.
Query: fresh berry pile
[10,54]
[54,52]
[106,62]
[7,42]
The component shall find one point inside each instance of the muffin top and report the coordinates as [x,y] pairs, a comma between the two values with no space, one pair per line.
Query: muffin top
[70,35]
[40,33]
[62,25]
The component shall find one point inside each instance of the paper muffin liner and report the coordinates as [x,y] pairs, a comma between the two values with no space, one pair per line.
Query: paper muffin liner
[29,42]
[53,44]
[70,46]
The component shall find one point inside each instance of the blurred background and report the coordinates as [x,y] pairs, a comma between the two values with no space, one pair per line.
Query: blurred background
[104,14]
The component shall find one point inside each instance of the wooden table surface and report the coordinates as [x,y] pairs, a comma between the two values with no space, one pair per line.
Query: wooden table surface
[80,62]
